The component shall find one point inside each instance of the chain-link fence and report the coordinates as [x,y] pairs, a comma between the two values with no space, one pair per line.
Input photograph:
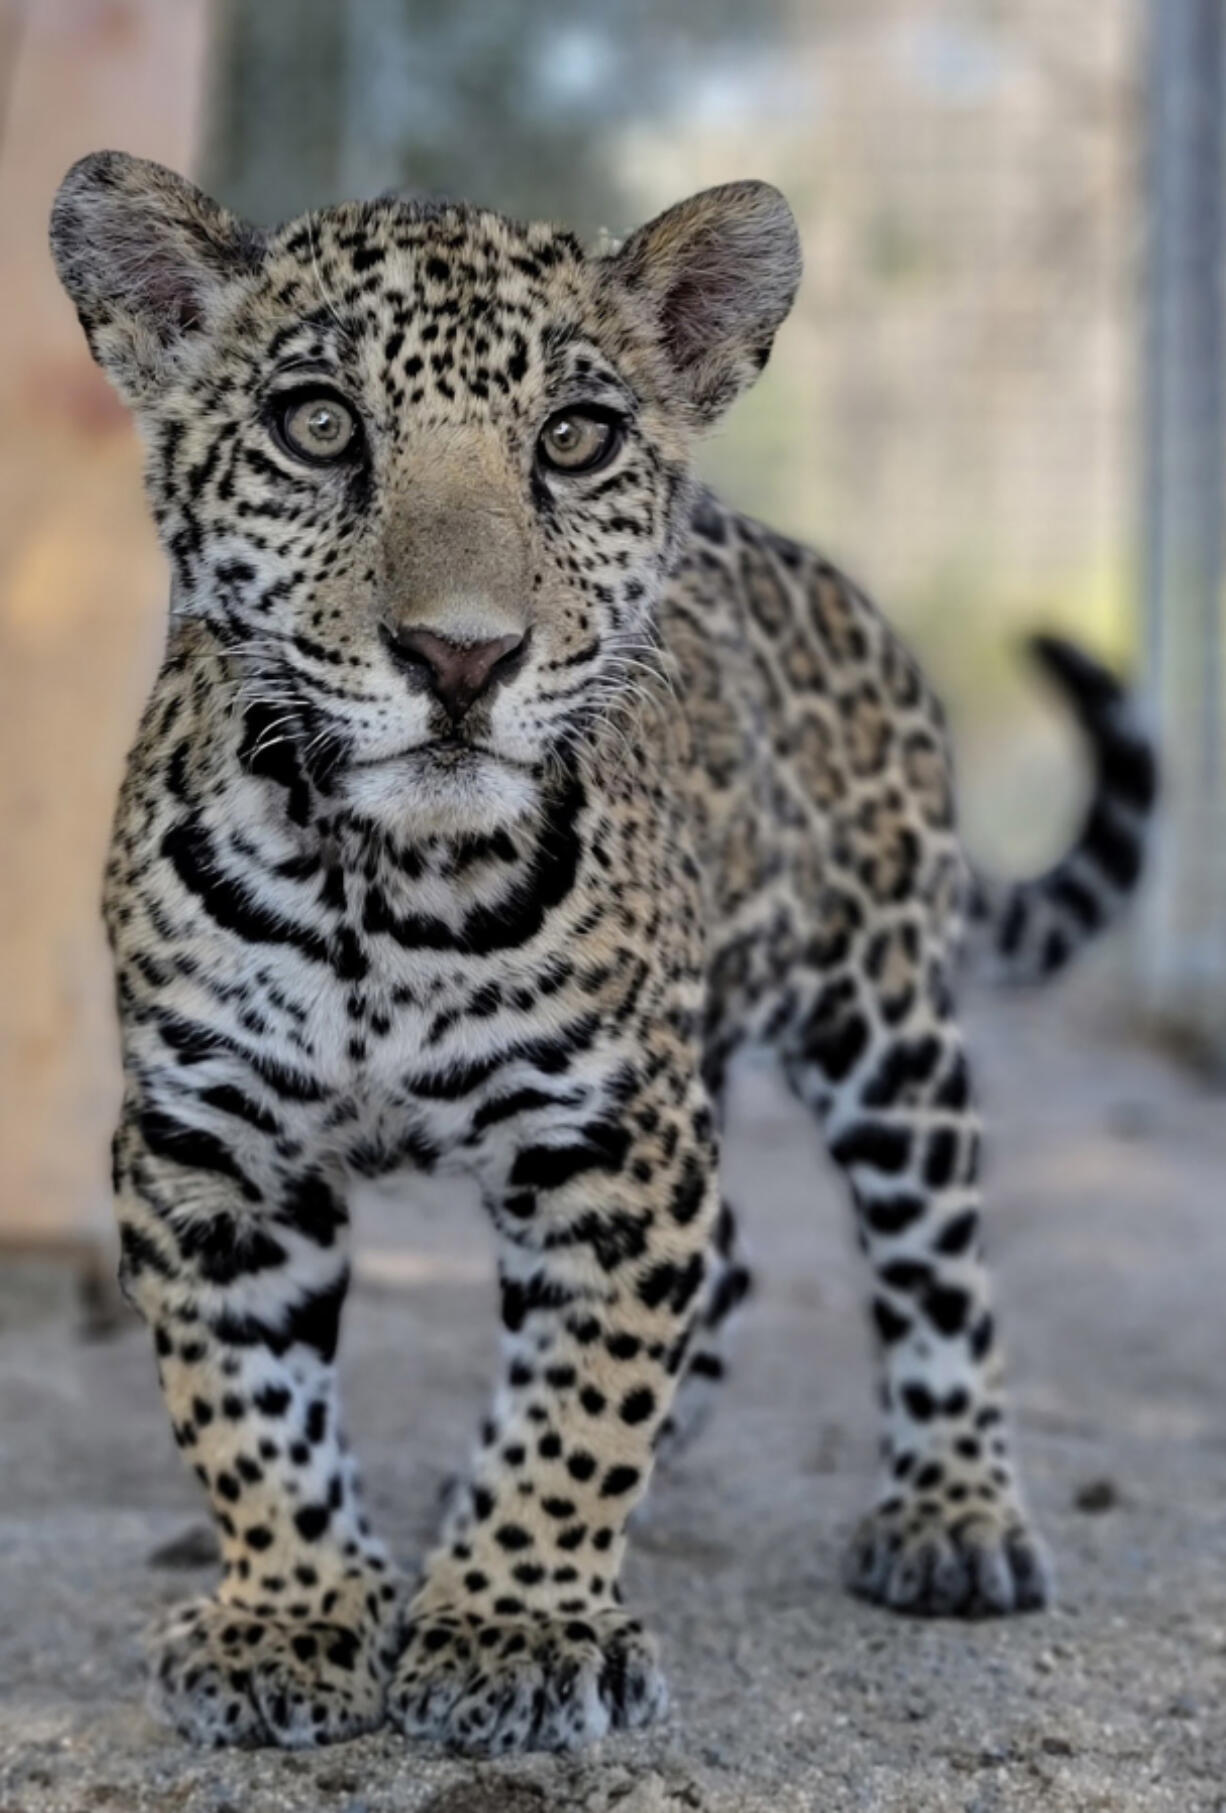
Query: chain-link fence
[1183,941]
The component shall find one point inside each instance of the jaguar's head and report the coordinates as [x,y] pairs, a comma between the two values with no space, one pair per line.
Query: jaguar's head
[422,469]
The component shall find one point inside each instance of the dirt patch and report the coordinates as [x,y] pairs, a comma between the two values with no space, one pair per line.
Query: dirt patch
[788,1697]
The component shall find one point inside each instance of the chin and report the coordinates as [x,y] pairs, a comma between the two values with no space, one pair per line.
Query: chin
[420,795]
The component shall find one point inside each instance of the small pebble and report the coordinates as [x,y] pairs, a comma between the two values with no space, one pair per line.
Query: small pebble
[1097,1495]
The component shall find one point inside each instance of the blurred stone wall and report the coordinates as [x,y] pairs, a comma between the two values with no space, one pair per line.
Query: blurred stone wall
[82,591]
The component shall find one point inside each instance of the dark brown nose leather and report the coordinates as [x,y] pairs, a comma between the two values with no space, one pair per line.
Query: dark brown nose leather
[457,674]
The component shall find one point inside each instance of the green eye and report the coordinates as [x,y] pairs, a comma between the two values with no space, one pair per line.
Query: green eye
[579,440]
[319,428]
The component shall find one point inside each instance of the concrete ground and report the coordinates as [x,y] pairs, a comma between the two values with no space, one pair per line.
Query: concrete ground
[1108,1227]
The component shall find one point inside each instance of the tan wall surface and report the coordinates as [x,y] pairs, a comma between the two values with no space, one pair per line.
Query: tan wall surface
[82,586]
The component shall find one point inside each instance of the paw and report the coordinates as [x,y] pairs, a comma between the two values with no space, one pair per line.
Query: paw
[949,1560]
[488,1686]
[221,1675]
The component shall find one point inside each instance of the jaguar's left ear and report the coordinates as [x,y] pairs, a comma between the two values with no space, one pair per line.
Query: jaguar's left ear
[712,280]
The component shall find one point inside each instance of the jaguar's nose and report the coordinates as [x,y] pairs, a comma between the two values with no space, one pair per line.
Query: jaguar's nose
[456,673]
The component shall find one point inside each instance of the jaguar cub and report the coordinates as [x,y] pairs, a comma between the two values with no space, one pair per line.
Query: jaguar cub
[497,785]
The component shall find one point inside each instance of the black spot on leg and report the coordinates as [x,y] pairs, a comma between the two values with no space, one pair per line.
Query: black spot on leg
[954,1091]
[958,1234]
[891,1326]
[906,1274]
[512,1536]
[315,1321]
[689,1191]
[918,1401]
[602,1148]
[520,1299]
[618,1480]
[941,1157]
[902,1070]
[669,1282]
[837,1049]
[211,1240]
[312,1208]
[870,1143]
[638,1405]
[311,1521]
[947,1308]
[891,1214]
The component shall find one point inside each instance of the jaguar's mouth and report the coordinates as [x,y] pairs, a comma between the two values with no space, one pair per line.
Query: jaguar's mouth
[448,752]
[445,784]
[452,751]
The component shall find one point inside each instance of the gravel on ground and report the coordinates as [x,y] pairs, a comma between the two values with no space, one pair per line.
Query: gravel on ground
[1107,1226]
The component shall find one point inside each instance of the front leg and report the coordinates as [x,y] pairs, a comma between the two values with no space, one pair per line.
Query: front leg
[242,1284]
[518,1639]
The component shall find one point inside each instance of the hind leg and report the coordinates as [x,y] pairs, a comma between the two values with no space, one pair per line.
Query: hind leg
[729,1281]
[881,1060]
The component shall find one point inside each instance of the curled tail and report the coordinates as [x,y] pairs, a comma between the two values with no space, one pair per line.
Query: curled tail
[1025,931]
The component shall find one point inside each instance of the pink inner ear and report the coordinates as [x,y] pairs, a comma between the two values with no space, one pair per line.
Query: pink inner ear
[719,302]
[724,267]
[169,295]
[156,274]
[689,313]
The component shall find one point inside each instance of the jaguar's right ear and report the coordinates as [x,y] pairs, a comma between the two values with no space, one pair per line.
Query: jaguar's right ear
[145,258]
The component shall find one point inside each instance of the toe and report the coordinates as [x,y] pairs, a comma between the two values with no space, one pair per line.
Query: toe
[631,1683]
[555,1686]
[196,1687]
[220,1676]
[978,1566]
[1032,1570]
